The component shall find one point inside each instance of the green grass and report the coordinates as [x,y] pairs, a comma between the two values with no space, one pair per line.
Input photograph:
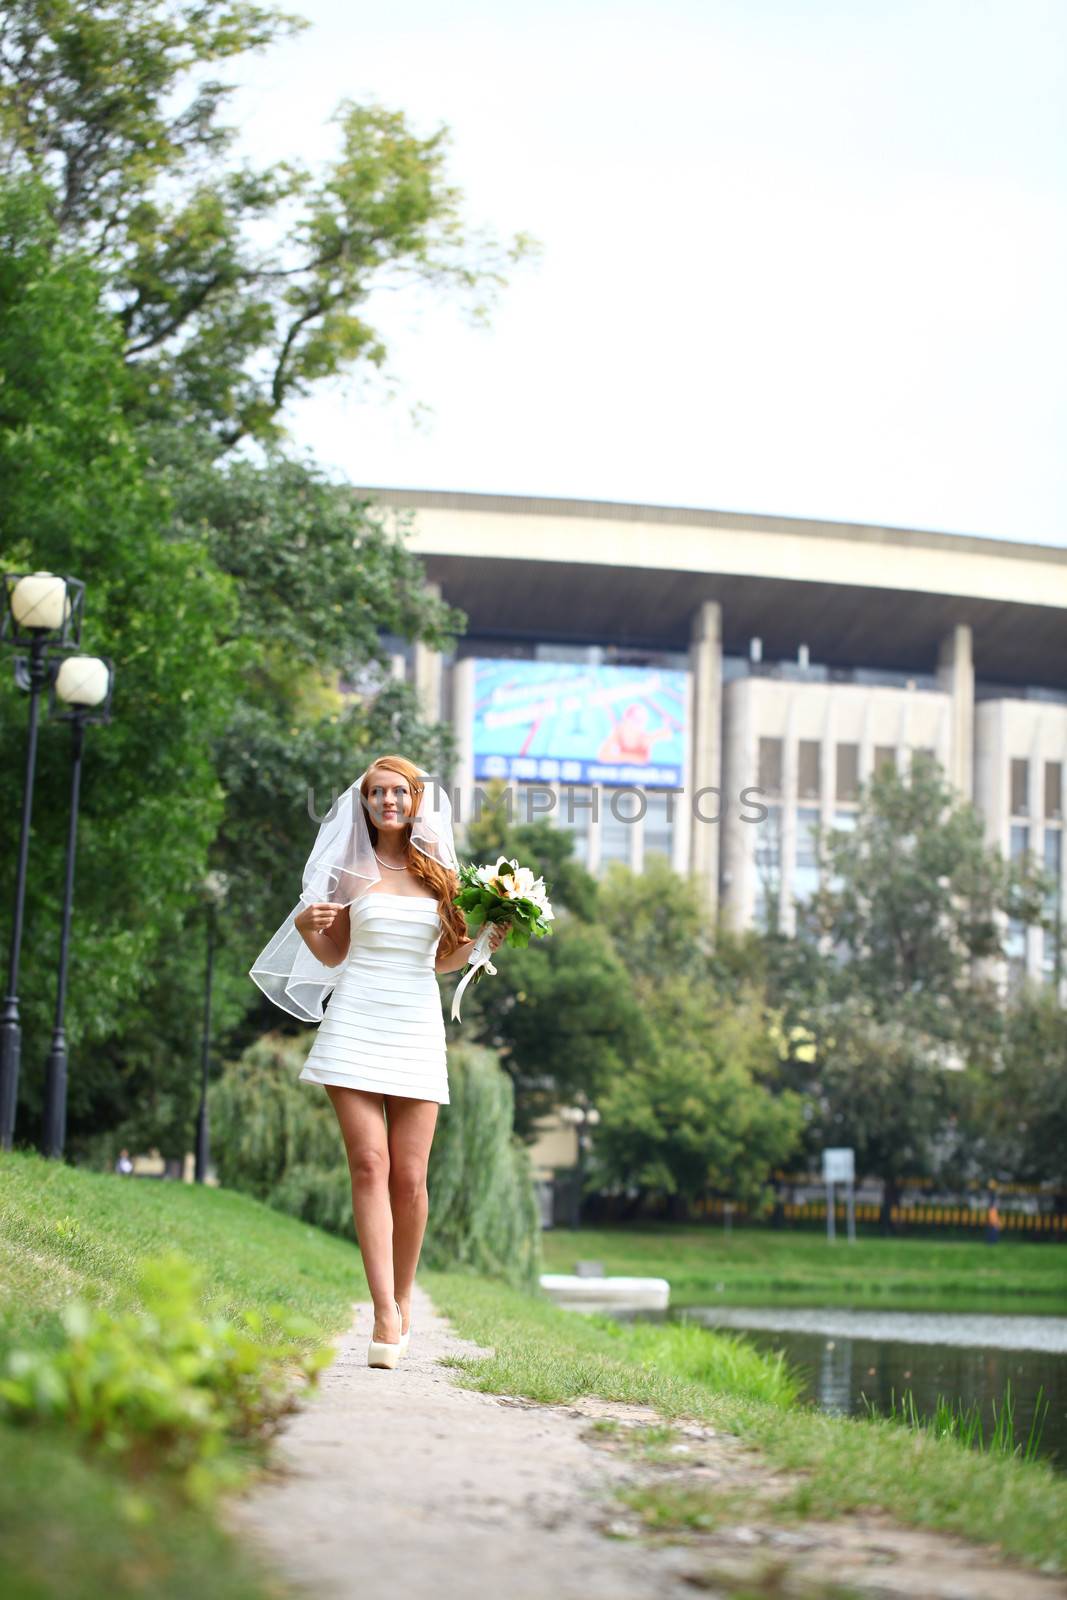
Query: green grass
[549,1355]
[72,1528]
[707,1266]
[848,1464]
[65,1232]
[75,1529]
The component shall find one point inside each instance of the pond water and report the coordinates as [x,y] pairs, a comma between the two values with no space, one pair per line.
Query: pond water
[842,1356]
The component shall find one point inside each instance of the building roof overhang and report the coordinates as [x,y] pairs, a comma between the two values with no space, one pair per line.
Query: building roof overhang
[593,572]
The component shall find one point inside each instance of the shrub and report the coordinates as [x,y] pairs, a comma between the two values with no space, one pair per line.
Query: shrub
[483,1209]
[277,1139]
[166,1387]
[264,1123]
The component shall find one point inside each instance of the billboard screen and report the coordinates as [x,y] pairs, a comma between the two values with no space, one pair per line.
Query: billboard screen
[568,723]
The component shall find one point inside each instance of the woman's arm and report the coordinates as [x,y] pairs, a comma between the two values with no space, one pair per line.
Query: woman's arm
[457,959]
[462,954]
[326,931]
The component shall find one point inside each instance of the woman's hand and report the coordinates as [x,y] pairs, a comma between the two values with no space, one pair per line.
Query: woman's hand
[325,930]
[497,936]
[316,918]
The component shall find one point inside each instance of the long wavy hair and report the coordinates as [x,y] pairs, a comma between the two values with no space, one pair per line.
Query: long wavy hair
[439,880]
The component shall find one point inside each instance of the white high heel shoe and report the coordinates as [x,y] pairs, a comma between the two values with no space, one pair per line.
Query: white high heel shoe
[382,1354]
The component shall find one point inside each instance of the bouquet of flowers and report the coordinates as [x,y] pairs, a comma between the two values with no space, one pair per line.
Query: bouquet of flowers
[505,893]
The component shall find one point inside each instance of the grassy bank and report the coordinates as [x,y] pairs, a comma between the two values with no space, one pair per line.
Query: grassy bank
[64,1231]
[707,1266]
[73,1527]
[848,1464]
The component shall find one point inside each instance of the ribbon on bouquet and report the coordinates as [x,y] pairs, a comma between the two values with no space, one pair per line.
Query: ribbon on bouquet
[479,958]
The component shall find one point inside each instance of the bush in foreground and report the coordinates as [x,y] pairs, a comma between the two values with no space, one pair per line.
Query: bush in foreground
[166,1387]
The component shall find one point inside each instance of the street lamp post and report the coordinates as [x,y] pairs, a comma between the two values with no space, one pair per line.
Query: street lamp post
[43,613]
[580,1116]
[213,890]
[84,683]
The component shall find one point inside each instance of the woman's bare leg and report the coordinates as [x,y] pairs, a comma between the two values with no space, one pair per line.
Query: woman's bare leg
[363,1127]
[411,1129]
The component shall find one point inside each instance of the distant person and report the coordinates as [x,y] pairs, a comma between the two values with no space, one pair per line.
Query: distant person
[124,1164]
[992,1231]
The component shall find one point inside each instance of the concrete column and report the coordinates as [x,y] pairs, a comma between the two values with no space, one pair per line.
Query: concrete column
[1035,936]
[426,673]
[955,676]
[788,850]
[680,816]
[705,666]
[463,727]
[828,761]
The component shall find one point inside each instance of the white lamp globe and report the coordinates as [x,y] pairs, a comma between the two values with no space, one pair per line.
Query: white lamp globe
[40,600]
[82,681]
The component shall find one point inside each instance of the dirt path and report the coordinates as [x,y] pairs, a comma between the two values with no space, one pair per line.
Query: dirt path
[402,1484]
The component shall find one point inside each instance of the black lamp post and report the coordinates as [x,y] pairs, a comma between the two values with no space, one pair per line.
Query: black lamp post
[213,889]
[43,613]
[580,1116]
[84,684]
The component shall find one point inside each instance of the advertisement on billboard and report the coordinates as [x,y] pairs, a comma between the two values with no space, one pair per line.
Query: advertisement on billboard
[567,723]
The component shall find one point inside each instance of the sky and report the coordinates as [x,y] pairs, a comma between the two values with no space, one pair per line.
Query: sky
[796,257]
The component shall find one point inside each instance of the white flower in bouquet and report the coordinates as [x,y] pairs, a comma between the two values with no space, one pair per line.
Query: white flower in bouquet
[502,893]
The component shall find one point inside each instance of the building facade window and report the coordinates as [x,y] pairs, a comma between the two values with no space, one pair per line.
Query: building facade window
[767,854]
[574,813]
[1020,788]
[1051,959]
[769,775]
[1054,790]
[847,786]
[885,755]
[845,821]
[809,760]
[1019,848]
[1015,951]
[806,860]
[618,825]
[1050,970]
[658,831]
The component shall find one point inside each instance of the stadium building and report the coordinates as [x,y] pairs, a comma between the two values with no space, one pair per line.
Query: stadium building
[637,668]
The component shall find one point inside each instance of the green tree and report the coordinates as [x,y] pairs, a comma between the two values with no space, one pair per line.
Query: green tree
[564,1016]
[78,499]
[658,921]
[880,1085]
[1014,1121]
[147,328]
[703,1107]
[912,901]
[562,1012]
[116,106]
[701,1110]
[245,674]
[892,973]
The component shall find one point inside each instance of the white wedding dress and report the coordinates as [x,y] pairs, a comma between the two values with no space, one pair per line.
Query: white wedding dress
[383,1028]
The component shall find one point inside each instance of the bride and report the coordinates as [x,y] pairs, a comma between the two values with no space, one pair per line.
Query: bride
[375,925]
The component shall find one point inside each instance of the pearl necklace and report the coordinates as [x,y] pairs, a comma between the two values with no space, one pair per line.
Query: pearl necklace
[389,864]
